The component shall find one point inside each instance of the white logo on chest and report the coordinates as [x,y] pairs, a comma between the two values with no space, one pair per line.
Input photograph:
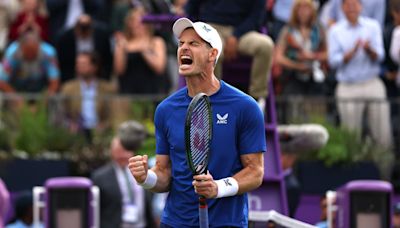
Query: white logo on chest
[222,119]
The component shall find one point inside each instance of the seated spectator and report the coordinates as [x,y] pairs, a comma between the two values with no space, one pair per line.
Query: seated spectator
[30,65]
[238,22]
[86,36]
[4,202]
[86,104]
[301,50]
[31,17]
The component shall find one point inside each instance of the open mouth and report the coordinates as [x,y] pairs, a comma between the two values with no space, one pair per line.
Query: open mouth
[186,60]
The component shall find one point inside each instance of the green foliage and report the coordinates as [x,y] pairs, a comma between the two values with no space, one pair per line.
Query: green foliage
[342,145]
[347,147]
[32,131]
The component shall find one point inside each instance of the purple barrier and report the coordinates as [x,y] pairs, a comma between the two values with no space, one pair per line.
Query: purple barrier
[364,203]
[67,202]
[309,209]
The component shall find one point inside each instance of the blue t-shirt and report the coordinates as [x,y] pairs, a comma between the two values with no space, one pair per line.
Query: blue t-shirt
[31,76]
[238,129]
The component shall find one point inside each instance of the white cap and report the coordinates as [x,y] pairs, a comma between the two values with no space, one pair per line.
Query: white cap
[205,31]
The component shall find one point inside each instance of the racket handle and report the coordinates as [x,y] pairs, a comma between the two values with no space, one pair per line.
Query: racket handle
[203,212]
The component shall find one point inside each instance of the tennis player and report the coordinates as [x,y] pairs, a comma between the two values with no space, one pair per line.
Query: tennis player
[236,163]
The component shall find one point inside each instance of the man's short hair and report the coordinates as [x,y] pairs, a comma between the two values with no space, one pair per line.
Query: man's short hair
[132,135]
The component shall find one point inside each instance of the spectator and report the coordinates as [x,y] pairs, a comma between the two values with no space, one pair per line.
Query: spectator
[30,65]
[31,17]
[8,11]
[4,202]
[302,51]
[139,61]
[86,106]
[355,51]
[65,13]
[86,36]
[375,9]
[140,57]
[123,202]
[238,22]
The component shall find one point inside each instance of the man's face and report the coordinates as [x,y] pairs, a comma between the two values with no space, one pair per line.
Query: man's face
[352,9]
[193,53]
[84,67]
[30,50]
[119,154]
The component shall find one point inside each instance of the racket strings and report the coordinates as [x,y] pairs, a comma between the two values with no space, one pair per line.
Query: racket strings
[200,136]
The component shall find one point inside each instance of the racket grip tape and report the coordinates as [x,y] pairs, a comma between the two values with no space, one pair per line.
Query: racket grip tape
[203,212]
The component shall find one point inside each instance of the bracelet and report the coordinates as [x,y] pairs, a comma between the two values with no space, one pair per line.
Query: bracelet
[151,180]
[227,187]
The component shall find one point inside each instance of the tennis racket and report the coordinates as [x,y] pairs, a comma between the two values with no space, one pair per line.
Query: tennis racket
[198,131]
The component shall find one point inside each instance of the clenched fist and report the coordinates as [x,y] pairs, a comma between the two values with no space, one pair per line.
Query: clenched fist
[138,165]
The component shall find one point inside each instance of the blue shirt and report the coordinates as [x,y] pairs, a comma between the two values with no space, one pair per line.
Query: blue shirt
[89,114]
[342,37]
[375,9]
[243,15]
[29,76]
[238,129]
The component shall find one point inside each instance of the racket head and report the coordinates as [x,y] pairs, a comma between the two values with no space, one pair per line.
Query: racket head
[198,132]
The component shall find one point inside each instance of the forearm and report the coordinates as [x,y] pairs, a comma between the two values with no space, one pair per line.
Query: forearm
[156,56]
[119,60]
[249,178]
[156,61]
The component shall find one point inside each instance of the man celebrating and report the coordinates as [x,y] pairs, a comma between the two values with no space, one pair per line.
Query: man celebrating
[237,144]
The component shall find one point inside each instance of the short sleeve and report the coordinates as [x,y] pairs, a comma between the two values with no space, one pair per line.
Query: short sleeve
[252,130]
[162,146]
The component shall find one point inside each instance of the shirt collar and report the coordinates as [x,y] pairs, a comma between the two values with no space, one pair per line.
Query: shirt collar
[360,21]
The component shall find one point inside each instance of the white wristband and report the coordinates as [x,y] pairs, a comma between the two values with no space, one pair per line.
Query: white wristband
[227,187]
[151,180]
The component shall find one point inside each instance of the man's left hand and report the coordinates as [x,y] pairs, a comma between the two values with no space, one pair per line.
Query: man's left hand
[204,185]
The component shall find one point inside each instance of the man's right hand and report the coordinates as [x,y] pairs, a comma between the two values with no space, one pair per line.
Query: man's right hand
[138,165]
